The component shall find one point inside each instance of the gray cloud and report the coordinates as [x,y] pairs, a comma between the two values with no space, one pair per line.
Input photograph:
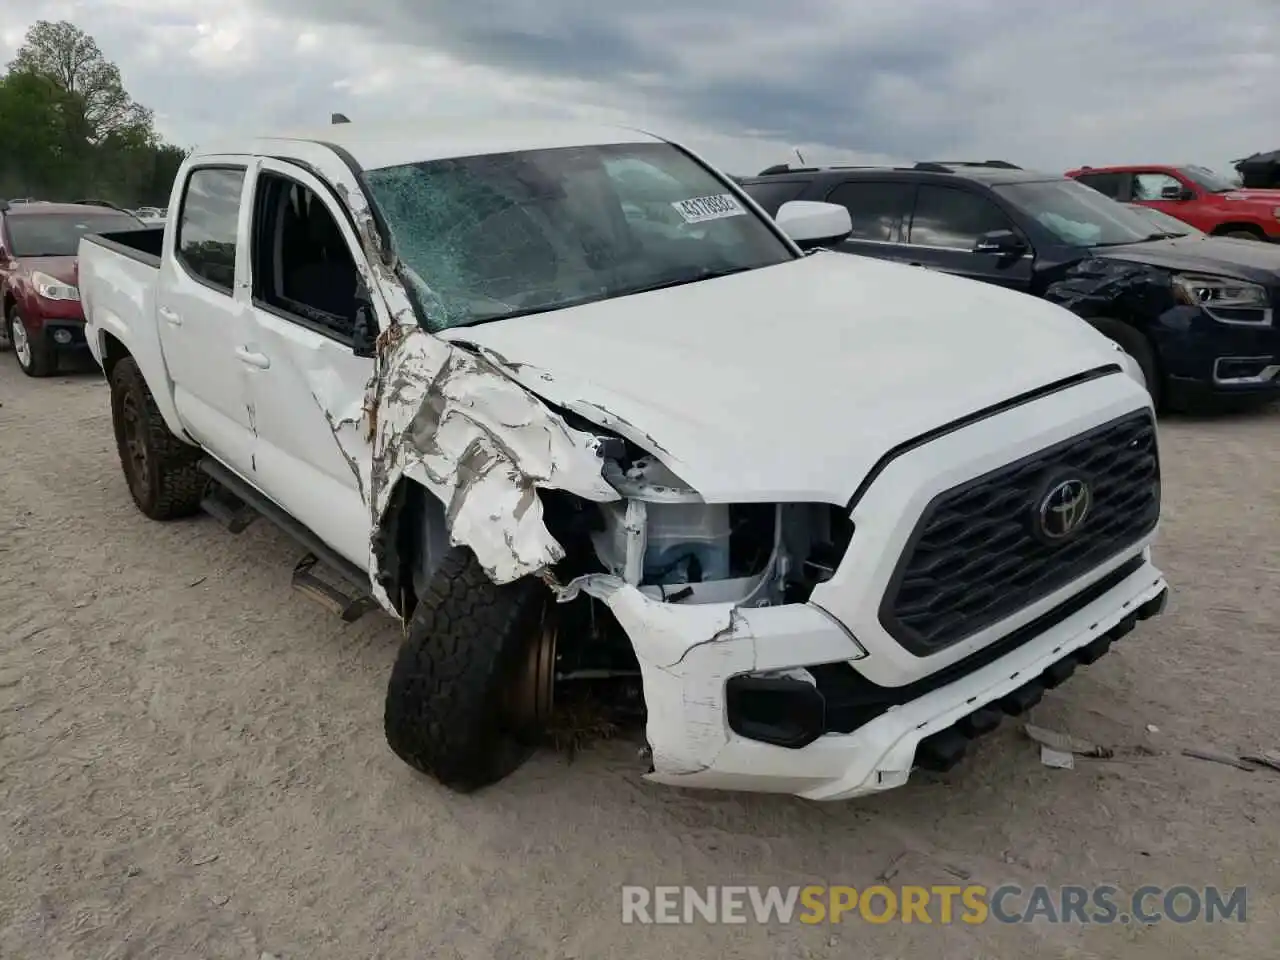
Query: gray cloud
[1050,85]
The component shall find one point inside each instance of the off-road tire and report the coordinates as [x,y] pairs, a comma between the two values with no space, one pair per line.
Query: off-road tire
[1135,343]
[167,484]
[444,712]
[44,361]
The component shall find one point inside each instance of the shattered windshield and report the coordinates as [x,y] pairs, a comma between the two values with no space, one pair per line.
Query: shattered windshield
[1078,214]
[497,236]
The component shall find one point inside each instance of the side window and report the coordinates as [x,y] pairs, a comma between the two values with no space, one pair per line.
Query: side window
[876,209]
[302,266]
[772,194]
[1112,184]
[206,241]
[951,218]
[1149,186]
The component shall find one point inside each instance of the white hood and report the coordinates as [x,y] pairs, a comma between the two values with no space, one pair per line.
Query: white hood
[788,383]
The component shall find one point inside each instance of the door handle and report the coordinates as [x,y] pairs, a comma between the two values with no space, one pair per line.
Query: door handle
[169,316]
[259,360]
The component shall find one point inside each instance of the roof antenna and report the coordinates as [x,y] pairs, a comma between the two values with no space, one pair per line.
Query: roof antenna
[799,155]
[338,118]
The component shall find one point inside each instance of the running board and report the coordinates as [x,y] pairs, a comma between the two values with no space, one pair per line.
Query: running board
[350,607]
[235,503]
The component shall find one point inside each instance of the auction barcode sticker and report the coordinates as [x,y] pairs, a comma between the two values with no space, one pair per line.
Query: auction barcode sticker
[699,209]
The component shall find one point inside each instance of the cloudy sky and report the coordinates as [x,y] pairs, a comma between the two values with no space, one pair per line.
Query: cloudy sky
[1043,83]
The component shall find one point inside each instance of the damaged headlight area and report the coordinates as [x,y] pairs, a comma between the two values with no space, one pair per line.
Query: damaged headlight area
[1224,299]
[663,538]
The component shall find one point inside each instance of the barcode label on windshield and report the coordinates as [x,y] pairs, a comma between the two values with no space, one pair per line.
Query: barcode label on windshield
[699,209]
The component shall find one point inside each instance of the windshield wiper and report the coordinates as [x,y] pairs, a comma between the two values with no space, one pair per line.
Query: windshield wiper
[706,273]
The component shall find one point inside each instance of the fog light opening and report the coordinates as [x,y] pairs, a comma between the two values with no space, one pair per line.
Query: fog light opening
[62,336]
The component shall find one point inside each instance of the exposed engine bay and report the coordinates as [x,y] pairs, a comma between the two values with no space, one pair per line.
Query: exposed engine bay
[665,540]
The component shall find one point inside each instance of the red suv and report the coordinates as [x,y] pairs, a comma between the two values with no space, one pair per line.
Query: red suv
[1195,195]
[41,314]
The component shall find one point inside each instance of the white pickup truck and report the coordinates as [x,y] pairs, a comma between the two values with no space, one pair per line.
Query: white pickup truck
[567,404]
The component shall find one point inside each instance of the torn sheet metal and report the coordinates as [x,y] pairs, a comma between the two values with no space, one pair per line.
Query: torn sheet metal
[482,444]
[686,654]
[1101,286]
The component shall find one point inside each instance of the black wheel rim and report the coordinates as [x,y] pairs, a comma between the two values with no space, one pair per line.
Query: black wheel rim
[134,447]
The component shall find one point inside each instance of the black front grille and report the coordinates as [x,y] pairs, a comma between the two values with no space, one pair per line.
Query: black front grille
[975,558]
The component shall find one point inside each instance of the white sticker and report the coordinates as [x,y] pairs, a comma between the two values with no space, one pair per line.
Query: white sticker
[700,209]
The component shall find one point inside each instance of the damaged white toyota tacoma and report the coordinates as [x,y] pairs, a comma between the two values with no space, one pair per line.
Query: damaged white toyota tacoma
[568,405]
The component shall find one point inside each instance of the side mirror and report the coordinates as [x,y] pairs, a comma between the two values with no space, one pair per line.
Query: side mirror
[1176,193]
[1003,243]
[812,224]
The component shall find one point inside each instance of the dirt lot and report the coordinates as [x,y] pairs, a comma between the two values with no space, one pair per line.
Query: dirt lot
[192,763]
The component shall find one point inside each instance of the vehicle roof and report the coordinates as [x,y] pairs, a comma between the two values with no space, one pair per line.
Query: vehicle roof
[43,209]
[992,176]
[375,145]
[1123,167]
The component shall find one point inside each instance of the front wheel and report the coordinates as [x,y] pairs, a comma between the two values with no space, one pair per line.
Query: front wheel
[164,479]
[1242,235]
[472,686]
[35,356]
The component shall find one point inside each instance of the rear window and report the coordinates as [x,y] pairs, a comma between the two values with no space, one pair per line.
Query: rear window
[1111,184]
[58,234]
[773,194]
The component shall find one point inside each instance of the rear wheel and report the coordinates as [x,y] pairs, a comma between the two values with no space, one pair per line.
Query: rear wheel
[471,688]
[1135,343]
[164,479]
[35,356]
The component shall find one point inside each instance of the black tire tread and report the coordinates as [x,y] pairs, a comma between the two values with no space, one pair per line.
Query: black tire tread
[443,703]
[177,483]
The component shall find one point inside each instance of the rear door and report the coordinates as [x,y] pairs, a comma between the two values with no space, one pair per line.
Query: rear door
[1116,185]
[945,224]
[306,383]
[878,210]
[202,311]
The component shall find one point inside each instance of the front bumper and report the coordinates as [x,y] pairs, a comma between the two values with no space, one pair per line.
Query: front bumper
[1204,358]
[65,334]
[689,655]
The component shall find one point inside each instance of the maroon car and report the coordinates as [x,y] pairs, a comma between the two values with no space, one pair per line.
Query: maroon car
[41,303]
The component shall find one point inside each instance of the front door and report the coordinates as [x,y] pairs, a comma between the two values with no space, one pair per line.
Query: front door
[202,314]
[944,226]
[308,386]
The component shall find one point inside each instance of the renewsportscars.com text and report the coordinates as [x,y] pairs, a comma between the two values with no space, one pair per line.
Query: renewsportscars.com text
[970,904]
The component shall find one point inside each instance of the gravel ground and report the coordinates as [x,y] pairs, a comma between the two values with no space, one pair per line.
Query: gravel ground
[192,762]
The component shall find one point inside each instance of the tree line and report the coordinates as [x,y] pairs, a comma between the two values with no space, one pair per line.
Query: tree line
[70,131]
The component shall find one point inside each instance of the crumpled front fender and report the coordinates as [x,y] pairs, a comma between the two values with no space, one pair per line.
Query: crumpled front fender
[455,423]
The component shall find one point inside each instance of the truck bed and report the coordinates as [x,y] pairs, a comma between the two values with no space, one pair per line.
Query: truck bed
[142,245]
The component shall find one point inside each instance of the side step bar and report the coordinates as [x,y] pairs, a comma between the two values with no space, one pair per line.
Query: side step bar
[235,504]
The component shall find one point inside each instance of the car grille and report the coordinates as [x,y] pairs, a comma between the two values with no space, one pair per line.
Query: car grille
[974,558]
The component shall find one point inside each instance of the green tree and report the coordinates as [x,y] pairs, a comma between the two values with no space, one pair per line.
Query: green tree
[70,129]
[71,58]
[41,150]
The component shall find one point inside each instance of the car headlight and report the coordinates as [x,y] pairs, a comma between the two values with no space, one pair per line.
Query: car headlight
[1275,212]
[1224,299]
[51,288]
